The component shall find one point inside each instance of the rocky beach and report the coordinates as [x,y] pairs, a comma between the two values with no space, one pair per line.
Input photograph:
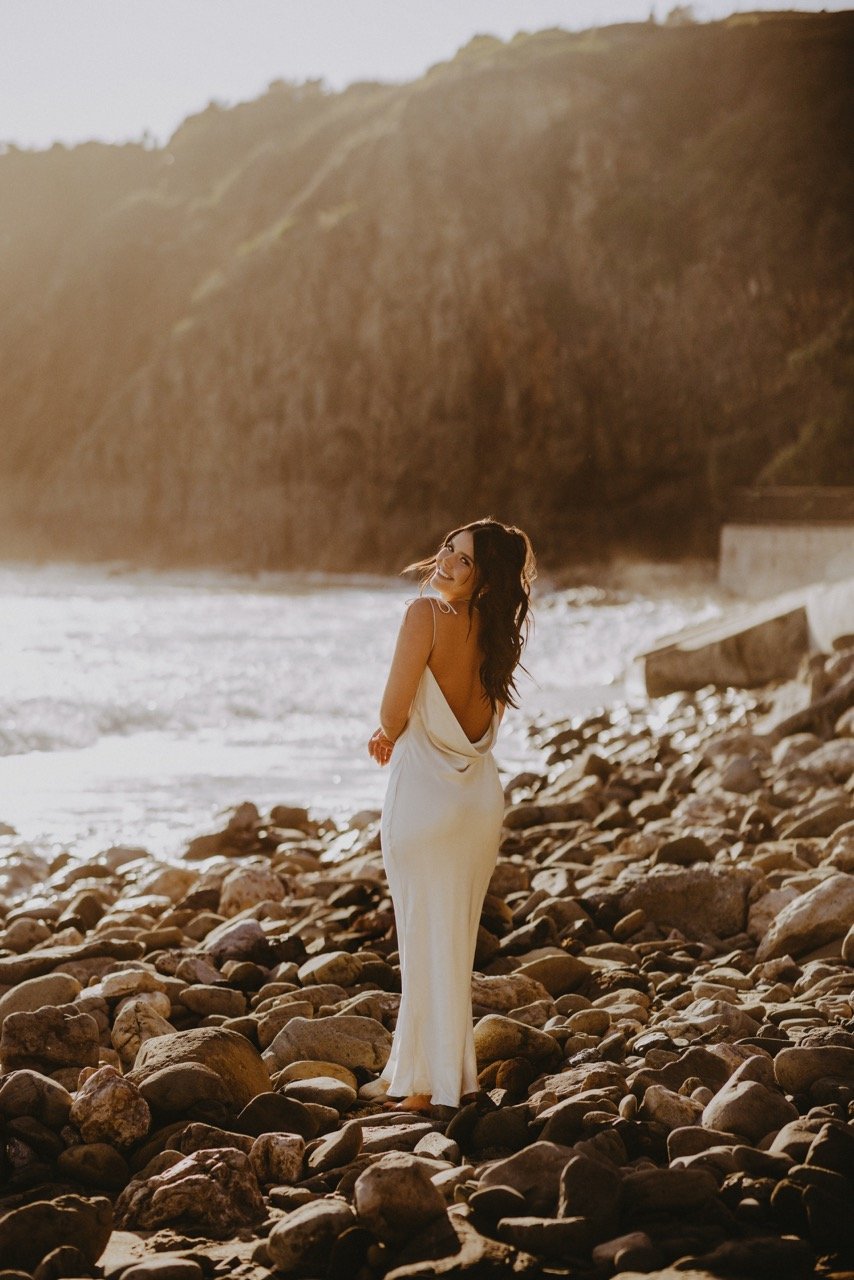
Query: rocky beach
[663,998]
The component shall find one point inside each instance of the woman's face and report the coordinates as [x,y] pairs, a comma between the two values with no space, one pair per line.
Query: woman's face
[454,575]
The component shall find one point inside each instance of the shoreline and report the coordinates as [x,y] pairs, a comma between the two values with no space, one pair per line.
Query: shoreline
[664,1020]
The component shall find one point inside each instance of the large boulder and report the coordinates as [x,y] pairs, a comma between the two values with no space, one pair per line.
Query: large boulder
[304,1237]
[214,1190]
[51,1037]
[497,1037]
[35,993]
[30,1232]
[110,1109]
[814,918]
[697,900]
[29,1093]
[237,1062]
[395,1197]
[798,1068]
[346,1039]
[534,1172]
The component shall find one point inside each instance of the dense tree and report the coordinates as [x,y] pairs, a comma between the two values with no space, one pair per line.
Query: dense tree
[587,282]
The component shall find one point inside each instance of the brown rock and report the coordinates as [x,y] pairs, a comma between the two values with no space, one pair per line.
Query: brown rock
[534,1172]
[395,1197]
[797,1069]
[29,1093]
[29,1233]
[51,989]
[304,1238]
[215,1191]
[816,917]
[110,1109]
[53,1037]
[231,1056]
[96,1165]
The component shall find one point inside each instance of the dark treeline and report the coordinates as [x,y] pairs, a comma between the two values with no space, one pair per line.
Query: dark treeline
[586,282]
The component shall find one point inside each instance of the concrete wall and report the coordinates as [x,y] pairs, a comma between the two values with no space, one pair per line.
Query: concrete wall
[761,560]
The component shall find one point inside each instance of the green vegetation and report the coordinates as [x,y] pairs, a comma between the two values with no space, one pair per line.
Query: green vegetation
[589,282]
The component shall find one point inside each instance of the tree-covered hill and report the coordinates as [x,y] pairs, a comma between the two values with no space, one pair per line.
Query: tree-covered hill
[585,282]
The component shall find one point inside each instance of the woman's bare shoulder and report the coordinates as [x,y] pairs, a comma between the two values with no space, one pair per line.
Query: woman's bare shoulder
[418,616]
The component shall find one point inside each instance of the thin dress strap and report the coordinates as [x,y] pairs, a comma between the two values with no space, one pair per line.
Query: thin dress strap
[444,607]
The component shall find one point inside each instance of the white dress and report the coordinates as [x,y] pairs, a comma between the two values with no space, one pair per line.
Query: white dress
[441,825]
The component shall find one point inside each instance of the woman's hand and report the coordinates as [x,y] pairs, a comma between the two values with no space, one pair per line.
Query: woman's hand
[380,747]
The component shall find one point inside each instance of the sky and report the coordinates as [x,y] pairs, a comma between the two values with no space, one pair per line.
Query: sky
[71,70]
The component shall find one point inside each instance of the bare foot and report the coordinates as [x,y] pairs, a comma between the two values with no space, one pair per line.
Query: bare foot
[414,1102]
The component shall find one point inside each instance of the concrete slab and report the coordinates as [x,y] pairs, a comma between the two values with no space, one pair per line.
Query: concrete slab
[751,644]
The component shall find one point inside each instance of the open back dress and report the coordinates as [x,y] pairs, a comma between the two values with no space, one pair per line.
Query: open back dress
[441,825]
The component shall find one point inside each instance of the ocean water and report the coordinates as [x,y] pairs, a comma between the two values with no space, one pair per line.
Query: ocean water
[136,707]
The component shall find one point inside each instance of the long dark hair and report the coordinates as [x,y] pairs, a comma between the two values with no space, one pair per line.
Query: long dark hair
[505,567]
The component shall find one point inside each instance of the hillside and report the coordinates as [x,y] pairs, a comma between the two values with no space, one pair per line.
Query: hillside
[586,282]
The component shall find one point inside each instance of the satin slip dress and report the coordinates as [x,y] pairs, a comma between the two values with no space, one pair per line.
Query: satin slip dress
[440,830]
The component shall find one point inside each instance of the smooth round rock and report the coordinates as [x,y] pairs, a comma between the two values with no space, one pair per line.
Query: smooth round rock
[323,1090]
[50,989]
[396,1198]
[94,1164]
[163,1267]
[179,1089]
[307,1233]
[236,1061]
[29,1093]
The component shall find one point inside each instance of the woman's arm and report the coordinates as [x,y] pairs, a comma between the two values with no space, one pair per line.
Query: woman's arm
[414,642]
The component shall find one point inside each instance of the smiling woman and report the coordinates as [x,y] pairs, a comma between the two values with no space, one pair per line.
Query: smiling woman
[451,677]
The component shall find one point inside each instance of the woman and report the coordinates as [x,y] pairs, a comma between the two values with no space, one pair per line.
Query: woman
[451,677]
